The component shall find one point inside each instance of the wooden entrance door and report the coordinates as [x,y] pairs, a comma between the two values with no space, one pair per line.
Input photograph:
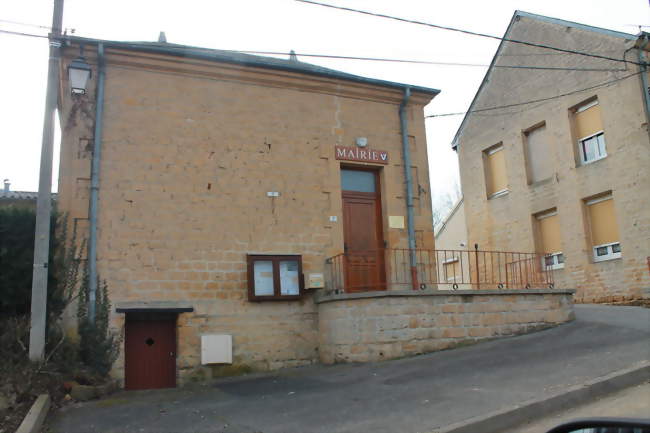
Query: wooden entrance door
[362,231]
[150,353]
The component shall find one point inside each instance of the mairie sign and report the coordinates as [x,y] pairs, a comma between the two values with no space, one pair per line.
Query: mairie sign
[347,153]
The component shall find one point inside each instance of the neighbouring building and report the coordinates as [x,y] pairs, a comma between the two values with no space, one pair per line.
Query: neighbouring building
[555,157]
[234,197]
[18,199]
[451,237]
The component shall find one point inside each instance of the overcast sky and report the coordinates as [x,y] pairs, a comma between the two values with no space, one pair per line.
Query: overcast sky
[282,25]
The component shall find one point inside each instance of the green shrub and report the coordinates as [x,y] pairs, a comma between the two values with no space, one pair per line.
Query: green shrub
[98,346]
[17,227]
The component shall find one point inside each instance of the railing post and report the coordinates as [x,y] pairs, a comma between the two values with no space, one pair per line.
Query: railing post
[478,272]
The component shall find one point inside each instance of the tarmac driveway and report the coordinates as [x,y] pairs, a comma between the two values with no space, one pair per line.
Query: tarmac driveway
[410,395]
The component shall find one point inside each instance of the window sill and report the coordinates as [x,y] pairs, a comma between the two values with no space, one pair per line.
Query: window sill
[285,298]
[541,182]
[555,267]
[498,194]
[607,258]
[584,163]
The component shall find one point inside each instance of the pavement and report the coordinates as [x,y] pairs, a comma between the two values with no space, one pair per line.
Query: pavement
[421,394]
[630,403]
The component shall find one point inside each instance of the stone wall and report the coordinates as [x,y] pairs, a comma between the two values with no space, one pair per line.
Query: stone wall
[506,222]
[189,151]
[377,326]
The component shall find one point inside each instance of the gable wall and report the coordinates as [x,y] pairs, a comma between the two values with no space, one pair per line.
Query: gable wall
[506,223]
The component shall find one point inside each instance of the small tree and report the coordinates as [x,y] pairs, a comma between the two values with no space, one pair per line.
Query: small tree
[99,346]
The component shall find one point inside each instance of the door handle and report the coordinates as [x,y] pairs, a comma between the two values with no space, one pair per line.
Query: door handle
[171,354]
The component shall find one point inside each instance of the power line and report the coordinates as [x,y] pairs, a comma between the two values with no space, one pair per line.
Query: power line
[23,34]
[479,110]
[467,32]
[383,59]
[425,62]
[26,24]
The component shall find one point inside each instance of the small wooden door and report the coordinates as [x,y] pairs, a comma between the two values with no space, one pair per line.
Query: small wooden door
[362,231]
[150,353]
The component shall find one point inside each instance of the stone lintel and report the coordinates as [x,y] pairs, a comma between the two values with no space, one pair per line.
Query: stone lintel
[154,307]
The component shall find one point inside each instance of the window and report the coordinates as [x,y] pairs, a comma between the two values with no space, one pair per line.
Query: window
[452,270]
[589,131]
[358,180]
[604,229]
[274,277]
[549,240]
[495,171]
[538,155]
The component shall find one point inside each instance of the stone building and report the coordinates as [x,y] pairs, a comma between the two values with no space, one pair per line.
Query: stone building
[218,168]
[228,199]
[554,157]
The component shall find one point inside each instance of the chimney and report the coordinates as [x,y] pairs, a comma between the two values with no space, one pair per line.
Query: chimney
[162,38]
[292,56]
[7,184]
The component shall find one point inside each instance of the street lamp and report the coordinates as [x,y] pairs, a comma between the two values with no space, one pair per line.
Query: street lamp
[78,74]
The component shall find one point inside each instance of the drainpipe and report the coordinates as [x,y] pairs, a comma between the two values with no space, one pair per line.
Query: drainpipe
[406,155]
[94,185]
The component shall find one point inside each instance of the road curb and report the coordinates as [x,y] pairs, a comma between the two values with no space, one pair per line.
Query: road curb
[33,421]
[497,421]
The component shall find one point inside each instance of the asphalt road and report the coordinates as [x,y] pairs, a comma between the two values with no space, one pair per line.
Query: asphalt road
[410,395]
[630,403]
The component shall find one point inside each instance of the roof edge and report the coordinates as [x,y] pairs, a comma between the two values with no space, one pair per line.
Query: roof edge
[515,15]
[586,27]
[200,53]
[454,142]
[448,217]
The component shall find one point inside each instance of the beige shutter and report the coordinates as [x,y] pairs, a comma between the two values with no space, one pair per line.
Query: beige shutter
[496,164]
[588,121]
[539,155]
[602,218]
[549,228]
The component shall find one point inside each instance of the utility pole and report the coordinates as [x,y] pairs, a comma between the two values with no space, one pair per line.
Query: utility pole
[44,201]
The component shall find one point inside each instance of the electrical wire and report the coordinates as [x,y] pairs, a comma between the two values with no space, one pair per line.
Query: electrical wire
[23,34]
[573,92]
[26,24]
[425,62]
[389,60]
[467,32]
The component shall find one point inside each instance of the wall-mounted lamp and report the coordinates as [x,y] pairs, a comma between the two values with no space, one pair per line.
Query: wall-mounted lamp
[78,74]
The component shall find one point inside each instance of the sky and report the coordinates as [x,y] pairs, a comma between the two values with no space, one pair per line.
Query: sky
[283,25]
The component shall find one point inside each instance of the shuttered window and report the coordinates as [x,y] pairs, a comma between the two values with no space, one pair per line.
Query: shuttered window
[603,221]
[549,237]
[452,270]
[549,229]
[495,167]
[538,154]
[589,130]
[604,228]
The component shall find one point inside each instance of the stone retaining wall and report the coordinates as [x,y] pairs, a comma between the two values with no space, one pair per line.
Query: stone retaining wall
[384,325]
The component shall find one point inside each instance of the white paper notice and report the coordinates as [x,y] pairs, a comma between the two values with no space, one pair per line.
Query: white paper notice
[289,284]
[263,271]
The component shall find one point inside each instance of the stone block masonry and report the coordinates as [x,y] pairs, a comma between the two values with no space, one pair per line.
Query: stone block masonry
[507,222]
[189,152]
[379,326]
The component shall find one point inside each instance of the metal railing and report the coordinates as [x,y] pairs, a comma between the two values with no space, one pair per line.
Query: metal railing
[358,271]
